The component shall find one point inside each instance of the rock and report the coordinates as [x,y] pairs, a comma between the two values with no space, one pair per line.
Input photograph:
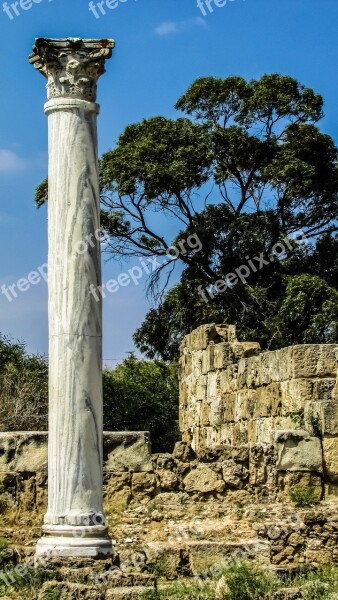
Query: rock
[234,475]
[117,491]
[297,451]
[183,452]
[70,591]
[143,485]
[168,480]
[127,451]
[204,480]
[23,452]
[330,450]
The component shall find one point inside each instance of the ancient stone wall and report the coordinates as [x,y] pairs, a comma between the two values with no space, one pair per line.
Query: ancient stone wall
[279,408]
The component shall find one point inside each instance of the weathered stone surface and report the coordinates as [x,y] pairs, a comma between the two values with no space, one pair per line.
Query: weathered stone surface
[27,451]
[143,484]
[23,452]
[237,395]
[127,451]
[299,480]
[165,558]
[168,480]
[70,591]
[209,557]
[314,360]
[330,449]
[204,480]
[297,451]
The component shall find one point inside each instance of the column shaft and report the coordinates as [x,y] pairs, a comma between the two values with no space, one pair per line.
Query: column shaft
[75,322]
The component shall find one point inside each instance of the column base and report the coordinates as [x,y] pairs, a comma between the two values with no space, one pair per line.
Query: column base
[74,542]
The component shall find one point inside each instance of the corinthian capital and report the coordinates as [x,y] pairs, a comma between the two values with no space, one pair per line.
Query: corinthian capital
[71,66]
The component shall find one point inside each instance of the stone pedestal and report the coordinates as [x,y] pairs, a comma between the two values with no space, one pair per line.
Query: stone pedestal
[75,524]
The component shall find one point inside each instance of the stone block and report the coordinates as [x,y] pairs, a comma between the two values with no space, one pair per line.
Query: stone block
[297,451]
[240,433]
[268,401]
[201,337]
[330,450]
[234,475]
[23,451]
[323,389]
[196,363]
[183,391]
[229,403]
[213,385]
[262,459]
[71,591]
[253,372]
[127,451]
[168,480]
[252,432]
[166,558]
[245,404]
[212,437]
[228,380]
[275,366]
[331,491]
[266,428]
[185,364]
[225,434]
[245,349]
[315,360]
[328,418]
[117,491]
[287,481]
[203,480]
[143,485]
[295,394]
[216,413]
[208,558]
[201,388]
[206,415]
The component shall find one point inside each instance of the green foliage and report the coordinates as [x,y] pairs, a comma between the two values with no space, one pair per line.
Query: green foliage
[137,396]
[182,590]
[23,388]
[297,417]
[303,496]
[41,193]
[52,594]
[246,166]
[143,396]
[321,584]
[3,544]
[245,582]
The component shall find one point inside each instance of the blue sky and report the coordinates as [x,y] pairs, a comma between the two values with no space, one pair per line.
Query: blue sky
[162,46]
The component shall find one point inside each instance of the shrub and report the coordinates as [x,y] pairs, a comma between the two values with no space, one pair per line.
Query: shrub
[141,395]
[303,496]
[23,388]
[245,582]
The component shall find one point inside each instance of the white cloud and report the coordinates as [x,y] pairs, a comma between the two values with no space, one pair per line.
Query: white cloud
[166,28]
[171,27]
[11,162]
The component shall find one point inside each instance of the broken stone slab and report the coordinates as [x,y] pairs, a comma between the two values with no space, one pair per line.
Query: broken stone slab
[297,451]
[127,451]
[26,451]
[207,557]
[203,480]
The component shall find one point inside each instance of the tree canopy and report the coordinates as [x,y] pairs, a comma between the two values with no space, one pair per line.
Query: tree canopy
[245,167]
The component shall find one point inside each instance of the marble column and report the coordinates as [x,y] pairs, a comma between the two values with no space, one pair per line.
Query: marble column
[75,524]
